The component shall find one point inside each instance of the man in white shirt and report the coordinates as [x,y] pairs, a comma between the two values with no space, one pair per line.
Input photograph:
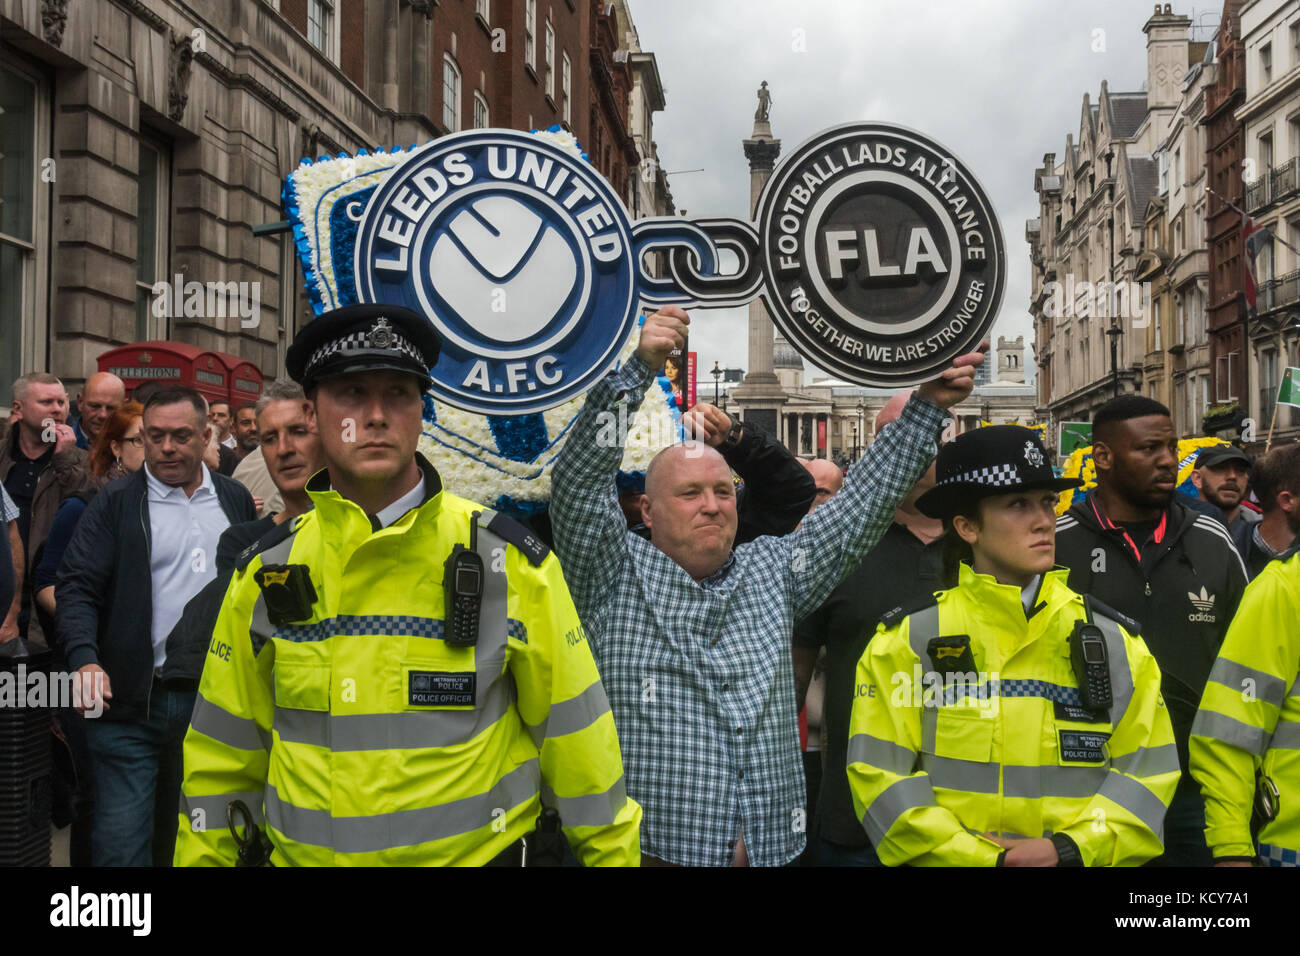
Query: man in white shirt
[143,548]
[222,422]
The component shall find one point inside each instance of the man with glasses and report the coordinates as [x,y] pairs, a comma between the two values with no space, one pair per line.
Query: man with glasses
[143,548]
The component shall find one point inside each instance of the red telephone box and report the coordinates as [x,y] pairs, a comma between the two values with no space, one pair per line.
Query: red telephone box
[211,374]
[245,379]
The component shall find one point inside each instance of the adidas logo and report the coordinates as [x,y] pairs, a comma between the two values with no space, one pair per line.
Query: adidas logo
[1204,604]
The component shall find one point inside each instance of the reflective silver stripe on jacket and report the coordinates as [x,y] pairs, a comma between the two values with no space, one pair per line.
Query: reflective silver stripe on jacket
[969,776]
[591,810]
[570,716]
[213,808]
[1266,687]
[1149,761]
[1253,740]
[922,627]
[384,831]
[1034,783]
[408,730]
[893,802]
[224,727]
[1286,736]
[883,754]
[1136,799]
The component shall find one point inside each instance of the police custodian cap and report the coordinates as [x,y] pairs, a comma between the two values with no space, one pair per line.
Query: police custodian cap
[363,338]
[995,460]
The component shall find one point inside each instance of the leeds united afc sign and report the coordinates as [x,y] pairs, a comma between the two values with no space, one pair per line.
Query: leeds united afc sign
[877,252]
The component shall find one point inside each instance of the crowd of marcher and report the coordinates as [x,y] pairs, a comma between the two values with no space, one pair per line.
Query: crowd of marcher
[1111,687]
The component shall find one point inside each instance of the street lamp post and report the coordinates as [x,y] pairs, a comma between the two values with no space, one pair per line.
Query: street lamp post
[855,441]
[717,377]
[1114,332]
[860,429]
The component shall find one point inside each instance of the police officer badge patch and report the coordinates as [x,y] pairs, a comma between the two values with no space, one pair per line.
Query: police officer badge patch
[1033,455]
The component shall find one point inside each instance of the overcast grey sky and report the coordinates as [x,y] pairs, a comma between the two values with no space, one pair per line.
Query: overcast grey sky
[998,82]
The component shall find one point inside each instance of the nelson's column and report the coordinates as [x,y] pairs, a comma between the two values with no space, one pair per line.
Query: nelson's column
[760,396]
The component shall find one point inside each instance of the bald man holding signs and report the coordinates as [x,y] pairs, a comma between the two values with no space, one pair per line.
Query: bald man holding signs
[692,634]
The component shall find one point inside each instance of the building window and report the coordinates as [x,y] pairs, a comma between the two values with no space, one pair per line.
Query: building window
[484,9]
[1266,64]
[1265,154]
[1155,326]
[322,28]
[1225,385]
[550,60]
[1178,237]
[1267,383]
[480,112]
[450,94]
[1162,166]
[1178,168]
[23,109]
[530,33]
[566,80]
[153,204]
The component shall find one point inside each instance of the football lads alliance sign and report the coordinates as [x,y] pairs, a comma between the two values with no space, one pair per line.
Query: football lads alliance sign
[877,252]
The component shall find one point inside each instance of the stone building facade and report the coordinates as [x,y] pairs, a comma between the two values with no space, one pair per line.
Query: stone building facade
[1223,159]
[1175,364]
[1270,117]
[829,418]
[144,139]
[1091,316]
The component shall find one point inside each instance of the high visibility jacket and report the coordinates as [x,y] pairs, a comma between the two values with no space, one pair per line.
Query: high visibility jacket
[358,735]
[1249,720]
[1013,752]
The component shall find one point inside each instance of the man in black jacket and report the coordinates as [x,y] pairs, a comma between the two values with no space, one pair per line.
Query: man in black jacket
[1276,481]
[905,566]
[777,489]
[1132,545]
[143,547]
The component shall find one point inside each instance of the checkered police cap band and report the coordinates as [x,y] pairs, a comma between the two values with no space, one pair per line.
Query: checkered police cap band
[362,342]
[996,476]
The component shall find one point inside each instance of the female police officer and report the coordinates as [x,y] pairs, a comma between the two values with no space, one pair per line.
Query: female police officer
[1010,721]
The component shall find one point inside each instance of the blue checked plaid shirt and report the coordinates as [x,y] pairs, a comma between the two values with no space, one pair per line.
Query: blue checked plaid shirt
[699,675]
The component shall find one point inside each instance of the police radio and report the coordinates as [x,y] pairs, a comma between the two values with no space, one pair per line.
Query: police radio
[1091,666]
[462,588]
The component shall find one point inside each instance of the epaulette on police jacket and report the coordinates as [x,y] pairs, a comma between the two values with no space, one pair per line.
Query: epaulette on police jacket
[894,615]
[1099,608]
[273,537]
[513,532]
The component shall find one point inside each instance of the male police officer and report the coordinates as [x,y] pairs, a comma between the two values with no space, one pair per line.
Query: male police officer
[400,675]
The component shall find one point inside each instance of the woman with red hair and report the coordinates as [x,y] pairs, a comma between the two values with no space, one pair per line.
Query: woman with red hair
[119,448]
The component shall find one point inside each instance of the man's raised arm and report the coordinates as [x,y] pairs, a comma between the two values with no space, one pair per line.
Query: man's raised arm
[588,524]
[831,540]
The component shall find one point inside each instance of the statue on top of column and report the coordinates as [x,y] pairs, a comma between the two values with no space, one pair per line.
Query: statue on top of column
[764,103]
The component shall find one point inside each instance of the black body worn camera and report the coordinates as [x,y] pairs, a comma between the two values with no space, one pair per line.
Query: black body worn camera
[462,588]
[288,592]
[1091,663]
[951,654]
